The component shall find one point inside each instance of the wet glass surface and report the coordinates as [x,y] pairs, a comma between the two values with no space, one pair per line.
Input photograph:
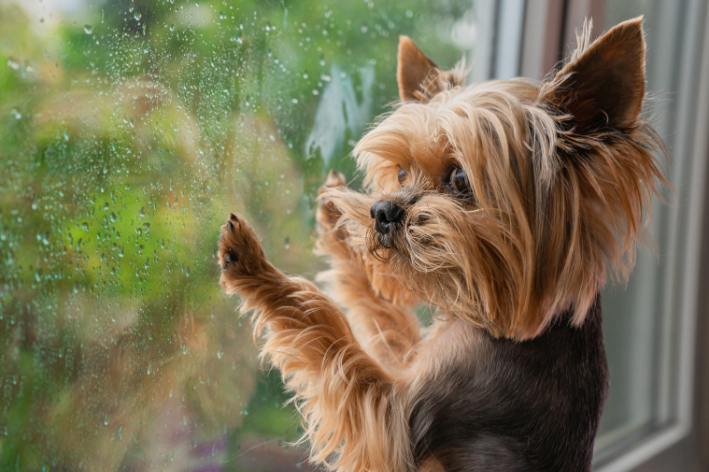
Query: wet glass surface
[128,130]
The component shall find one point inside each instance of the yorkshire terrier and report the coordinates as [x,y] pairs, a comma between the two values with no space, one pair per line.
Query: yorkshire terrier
[504,205]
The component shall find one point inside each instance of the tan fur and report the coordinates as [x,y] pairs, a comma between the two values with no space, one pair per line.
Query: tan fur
[559,195]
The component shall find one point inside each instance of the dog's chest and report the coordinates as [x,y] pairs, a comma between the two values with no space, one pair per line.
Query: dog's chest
[518,406]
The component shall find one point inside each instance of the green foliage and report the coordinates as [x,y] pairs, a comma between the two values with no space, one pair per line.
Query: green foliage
[126,136]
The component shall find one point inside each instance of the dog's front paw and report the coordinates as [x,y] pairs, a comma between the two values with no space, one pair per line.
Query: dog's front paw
[328,214]
[240,251]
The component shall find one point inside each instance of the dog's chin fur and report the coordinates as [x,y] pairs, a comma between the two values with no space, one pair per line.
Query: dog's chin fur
[558,202]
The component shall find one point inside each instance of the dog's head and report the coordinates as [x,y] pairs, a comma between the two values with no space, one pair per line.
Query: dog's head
[508,202]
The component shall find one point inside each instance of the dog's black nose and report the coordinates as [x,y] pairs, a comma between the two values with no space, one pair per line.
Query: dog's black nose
[386,214]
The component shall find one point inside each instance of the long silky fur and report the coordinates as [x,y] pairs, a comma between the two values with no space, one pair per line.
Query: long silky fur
[525,262]
[553,210]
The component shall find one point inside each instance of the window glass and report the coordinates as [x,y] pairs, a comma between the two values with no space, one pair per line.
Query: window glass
[128,130]
[640,321]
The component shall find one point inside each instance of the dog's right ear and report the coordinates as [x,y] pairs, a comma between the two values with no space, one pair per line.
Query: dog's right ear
[418,76]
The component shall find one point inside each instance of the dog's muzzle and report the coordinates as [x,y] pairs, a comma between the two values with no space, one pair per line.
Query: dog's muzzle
[387,215]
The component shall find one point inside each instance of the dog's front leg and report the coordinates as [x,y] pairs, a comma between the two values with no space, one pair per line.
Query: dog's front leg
[378,308]
[351,408]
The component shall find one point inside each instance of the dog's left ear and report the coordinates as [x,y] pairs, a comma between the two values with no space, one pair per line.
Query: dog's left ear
[605,84]
[418,76]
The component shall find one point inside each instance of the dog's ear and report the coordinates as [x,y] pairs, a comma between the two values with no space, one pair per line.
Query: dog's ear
[605,83]
[418,76]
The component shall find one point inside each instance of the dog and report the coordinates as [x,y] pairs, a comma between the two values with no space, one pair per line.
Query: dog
[505,205]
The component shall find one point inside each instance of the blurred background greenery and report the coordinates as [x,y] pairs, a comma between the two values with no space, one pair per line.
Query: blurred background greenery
[128,130]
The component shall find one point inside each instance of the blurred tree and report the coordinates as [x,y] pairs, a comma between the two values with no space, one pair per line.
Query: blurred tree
[125,138]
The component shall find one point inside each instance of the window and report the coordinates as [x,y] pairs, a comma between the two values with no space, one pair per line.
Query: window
[129,129]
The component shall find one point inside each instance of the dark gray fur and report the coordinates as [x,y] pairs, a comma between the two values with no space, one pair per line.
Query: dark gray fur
[519,406]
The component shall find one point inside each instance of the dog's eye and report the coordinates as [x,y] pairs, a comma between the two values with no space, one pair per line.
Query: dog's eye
[402,176]
[459,182]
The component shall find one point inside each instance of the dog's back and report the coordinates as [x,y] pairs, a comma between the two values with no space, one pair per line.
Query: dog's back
[516,406]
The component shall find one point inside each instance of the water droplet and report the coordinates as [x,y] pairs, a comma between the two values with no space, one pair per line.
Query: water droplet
[37,277]
[287,242]
[409,14]
[85,226]
[120,436]
[16,114]
[66,136]
[219,352]
[316,92]
[137,16]
[295,100]
[76,287]
[187,271]
[222,15]
[121,254]
[172,27]
[105,420]
[88,29]
[147,263]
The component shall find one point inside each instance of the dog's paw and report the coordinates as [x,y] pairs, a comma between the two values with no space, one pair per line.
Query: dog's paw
[240,251]
[328,214]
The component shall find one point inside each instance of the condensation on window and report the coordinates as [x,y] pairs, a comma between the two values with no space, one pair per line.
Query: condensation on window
[128,130]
